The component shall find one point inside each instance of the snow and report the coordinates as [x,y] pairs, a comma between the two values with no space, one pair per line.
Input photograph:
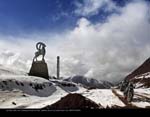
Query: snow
[143,91]
[141,104]
[148,76]
[67,86]
[140,77]
[11,96]
[18,90]
[145,75]
[105,97]
[139,85]
[42,102]
[29,101]
[139,97]
[53,98]
[21,91]
[27,96]
[119,92]
[27,84]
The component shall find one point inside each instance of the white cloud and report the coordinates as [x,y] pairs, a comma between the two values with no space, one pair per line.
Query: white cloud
[91,7]
[106,51]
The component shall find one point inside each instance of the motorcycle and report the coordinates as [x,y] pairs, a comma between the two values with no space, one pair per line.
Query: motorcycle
[129,93]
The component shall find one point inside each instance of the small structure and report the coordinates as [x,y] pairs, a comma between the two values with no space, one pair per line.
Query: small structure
[39,67]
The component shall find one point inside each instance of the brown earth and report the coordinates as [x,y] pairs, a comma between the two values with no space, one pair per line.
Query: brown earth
[73,101]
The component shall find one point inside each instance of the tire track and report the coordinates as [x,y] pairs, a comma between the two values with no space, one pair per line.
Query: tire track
[144,98]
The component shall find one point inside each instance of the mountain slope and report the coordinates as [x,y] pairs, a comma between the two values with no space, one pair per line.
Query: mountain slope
[144,68]
[141,76]
[18,90]
[89,82]
[142,81]
[27,84]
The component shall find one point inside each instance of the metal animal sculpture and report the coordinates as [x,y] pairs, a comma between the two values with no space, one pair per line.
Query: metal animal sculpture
[41,51]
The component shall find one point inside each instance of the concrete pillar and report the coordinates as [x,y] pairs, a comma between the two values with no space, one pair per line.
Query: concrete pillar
[58,67]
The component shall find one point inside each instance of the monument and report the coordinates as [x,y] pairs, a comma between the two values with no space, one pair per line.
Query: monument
[39,67]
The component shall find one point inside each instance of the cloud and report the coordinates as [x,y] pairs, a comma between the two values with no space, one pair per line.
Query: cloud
[105,51]
[92,7]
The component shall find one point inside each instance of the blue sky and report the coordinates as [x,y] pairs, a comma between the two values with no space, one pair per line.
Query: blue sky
[34,15]
[31,16]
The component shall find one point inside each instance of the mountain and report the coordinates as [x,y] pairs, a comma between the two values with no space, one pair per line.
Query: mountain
[142,81]
[144,68]
[89,82]
[141,75]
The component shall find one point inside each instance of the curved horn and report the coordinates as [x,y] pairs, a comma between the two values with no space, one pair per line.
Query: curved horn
[40,43]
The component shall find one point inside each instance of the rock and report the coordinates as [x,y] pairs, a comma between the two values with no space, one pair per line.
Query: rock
[39,69]
[24,95]
[17,83]
[13,103]
[22,84]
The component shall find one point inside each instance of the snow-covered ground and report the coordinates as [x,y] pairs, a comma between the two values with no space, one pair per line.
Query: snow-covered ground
[18,90]
[28,84]
[27,97]
[143,91]
[104,97]
[24,100]
[141,98]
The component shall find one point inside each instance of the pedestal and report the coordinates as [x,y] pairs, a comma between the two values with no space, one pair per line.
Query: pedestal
[40,69]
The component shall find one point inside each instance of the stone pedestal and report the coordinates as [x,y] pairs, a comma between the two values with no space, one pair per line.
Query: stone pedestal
[40,69]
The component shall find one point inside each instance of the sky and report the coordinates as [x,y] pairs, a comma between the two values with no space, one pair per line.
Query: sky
[32,16]
[102,39]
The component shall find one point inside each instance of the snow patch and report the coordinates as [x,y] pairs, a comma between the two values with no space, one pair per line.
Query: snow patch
[105,97]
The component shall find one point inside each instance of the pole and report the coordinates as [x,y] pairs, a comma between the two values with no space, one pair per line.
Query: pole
[58,67]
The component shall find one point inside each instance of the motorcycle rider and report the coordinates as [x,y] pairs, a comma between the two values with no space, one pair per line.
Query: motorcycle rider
[124,85]
[129,90]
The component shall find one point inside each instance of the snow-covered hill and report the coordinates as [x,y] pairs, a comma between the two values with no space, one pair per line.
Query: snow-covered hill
[89,82]
[32,92]
[18,90]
